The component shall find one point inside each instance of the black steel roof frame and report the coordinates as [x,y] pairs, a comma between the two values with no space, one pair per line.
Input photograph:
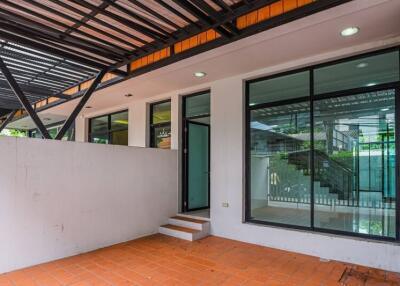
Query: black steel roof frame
[23,99]
[223,21]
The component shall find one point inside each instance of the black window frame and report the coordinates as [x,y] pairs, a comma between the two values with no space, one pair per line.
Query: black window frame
[153,126]
[311,98]
[109,129]
[31,132]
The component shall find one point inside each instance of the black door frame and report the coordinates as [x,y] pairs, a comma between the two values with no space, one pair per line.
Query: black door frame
[186,206]
[185,145]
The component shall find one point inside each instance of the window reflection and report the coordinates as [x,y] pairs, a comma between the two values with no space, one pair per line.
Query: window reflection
[160,125]
[109,129]
[325,158]
[280,156]
[355,163]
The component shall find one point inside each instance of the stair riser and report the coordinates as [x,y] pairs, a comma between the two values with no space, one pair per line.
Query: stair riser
[177,233]
[188,224]
[200,235]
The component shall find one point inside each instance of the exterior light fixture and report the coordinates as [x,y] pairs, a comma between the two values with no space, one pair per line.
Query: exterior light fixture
[199,74]
[128,95]
[88,107]
[362,65]
[350,31]
[371,84]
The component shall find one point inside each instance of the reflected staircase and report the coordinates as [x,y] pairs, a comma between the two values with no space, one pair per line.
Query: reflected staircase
[186,227]
[328,172]
[332,180]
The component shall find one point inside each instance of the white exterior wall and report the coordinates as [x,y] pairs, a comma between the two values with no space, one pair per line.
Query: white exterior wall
[227,185]
[59,198]
[227,171]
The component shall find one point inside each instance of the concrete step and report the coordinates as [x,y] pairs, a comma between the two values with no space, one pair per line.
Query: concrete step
[186,228]
[188,222]
[181,232]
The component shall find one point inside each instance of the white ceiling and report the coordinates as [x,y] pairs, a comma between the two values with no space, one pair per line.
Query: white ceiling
[315,34]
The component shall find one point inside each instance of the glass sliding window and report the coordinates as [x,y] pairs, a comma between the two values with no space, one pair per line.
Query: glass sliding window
[354,163]
[280,88]
[280,181]
[363,72]
[325,158]
[109,129]
[160,125]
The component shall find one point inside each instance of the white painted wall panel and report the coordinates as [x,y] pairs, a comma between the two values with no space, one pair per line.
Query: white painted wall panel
[60,198]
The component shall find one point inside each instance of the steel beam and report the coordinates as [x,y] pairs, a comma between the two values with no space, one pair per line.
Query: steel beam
[10,36]
[7,120]
[103,23]
[124,21]
[106,45]
[81,104]
[24,101]
[42,32]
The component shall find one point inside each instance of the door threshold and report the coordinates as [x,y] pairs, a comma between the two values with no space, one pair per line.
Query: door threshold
[199,214]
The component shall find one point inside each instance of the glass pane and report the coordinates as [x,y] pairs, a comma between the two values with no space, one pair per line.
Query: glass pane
[364,72]
[119,121]
[162,137]
[197,105]
[198,165]
[99,124]
[280,169]
[119,137]
[280,88]
[355,163]
[70,134]
[53,131]
[161,112]
[36,134]
[99,138]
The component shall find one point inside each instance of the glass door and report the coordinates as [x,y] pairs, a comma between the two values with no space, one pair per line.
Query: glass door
[196,152]
[198,165]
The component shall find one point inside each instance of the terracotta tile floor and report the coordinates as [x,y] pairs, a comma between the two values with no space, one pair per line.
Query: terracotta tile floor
[162,260]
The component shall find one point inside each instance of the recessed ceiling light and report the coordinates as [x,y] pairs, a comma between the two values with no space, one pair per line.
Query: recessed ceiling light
[199,74]
[88,107]
[128,95]
[371,84]
[362,65]
[350,31]
[252,104]
[385,109]
[46,119]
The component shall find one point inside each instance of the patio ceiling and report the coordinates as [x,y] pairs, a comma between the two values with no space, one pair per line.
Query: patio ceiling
[40,75]
[50,46]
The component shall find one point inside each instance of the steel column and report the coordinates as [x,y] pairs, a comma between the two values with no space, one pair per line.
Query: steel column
[80,105]
[7,120]
[24,101]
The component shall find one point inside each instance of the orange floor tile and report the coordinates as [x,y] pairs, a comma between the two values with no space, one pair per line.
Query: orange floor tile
[162,260]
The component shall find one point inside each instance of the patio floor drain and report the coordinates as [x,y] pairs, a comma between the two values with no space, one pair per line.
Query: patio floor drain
[353,276]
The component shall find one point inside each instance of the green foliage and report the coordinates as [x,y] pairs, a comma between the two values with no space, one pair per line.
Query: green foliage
[14,133]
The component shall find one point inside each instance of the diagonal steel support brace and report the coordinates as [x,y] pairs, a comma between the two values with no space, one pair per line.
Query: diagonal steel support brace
[23,100]
[7,120]
[81,104]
